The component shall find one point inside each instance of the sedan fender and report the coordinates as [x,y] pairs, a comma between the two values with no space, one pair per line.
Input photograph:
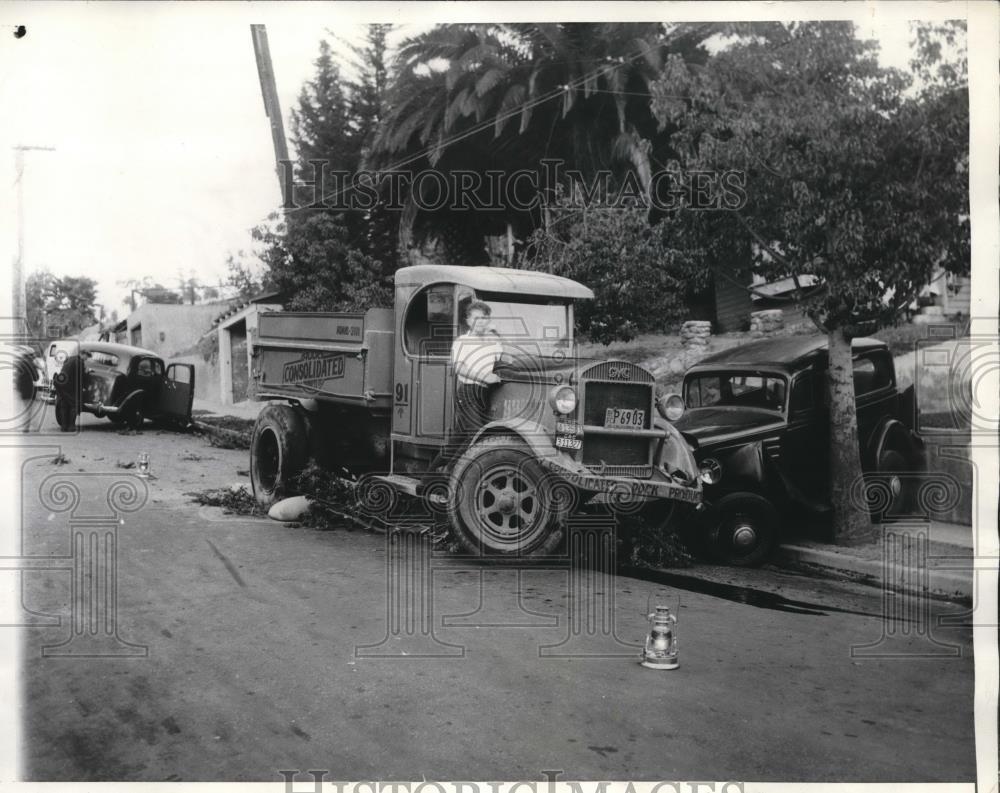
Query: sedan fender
[101,410]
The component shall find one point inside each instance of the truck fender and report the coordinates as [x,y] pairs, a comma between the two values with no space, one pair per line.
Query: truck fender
[537,438]
[674,452]
[307,404]
[893,434]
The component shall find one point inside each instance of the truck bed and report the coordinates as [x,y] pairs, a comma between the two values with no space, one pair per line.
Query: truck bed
[337,357]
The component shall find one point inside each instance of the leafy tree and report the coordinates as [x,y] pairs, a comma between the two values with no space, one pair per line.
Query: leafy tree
[642,280]
[854,173]
[503,97]
[317,268]
[150,291]
[60,306]
[321,126]
[329,259]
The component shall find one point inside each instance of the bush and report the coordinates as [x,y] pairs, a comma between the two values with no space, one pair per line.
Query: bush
[641,281]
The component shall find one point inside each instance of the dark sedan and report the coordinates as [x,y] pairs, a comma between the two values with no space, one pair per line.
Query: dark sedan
[757,419]
[126,384]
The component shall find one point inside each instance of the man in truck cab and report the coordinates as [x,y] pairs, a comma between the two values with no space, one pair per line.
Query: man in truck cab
[474,355]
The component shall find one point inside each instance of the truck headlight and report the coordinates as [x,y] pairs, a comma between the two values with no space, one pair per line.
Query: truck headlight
[671,407]
[711,471]
[562,399]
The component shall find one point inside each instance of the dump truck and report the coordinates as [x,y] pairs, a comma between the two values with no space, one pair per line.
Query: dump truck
[373,394]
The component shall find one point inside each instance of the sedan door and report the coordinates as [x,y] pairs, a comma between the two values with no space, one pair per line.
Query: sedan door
[177,393]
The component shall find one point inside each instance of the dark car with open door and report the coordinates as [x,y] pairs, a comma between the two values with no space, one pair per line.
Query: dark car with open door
[758,420]
[126,384]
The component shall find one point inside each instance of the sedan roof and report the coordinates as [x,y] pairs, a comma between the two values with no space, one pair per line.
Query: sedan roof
[121,350]
[786,352]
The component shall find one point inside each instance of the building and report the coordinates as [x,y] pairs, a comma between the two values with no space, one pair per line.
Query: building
[236,330]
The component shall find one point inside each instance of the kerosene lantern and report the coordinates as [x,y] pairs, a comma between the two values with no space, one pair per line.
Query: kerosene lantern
[660,651]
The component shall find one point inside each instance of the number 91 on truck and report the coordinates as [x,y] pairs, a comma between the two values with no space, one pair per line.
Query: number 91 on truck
[377,394]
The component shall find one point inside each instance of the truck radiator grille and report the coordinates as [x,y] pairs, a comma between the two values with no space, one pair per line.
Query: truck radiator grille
[601,396]
[617,371]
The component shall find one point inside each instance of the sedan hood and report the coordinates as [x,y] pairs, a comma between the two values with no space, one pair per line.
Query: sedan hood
[705,424]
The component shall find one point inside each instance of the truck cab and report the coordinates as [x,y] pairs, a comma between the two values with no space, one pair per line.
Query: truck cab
[562,430]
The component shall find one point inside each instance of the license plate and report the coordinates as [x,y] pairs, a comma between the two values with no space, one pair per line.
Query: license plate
[567,428]
[628,418]
[569,443]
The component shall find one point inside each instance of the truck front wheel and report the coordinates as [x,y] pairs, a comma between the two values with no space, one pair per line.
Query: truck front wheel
[499,506]
[278,453]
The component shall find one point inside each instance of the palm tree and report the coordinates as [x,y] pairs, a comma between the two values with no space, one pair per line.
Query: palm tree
[503,97]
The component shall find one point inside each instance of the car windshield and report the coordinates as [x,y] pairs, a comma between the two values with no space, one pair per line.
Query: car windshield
[736,389]
[542,324]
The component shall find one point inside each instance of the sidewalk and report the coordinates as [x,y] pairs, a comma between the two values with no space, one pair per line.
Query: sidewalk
[916,557]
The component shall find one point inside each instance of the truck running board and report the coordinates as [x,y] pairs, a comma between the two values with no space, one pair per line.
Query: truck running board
[412,487]
[404,484]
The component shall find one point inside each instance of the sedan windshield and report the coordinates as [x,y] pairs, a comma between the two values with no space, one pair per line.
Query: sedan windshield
[736,389]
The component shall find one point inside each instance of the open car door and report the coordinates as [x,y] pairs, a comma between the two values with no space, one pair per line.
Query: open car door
[177,394]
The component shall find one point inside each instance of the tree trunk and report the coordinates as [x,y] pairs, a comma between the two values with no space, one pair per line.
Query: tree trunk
[851,520]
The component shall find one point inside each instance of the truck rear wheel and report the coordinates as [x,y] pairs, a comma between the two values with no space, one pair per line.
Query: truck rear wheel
[499,506]
[278,453]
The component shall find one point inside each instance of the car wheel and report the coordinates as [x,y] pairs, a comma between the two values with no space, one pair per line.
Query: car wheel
[500,508]
[65,414]
[743,529]
[893,466]
[278,453]
[136,417]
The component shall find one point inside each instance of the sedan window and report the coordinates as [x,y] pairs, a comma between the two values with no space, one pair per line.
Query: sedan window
[737,389]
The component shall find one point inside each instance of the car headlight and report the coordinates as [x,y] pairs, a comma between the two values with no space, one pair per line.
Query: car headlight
[671,407]
[563,400]
[710,471]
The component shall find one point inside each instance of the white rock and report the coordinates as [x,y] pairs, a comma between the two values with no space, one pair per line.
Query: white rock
[289,509]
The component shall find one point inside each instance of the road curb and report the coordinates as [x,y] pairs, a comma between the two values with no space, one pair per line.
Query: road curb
[943,583]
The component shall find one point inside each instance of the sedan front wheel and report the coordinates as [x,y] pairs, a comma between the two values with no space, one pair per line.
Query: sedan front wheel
[743,529]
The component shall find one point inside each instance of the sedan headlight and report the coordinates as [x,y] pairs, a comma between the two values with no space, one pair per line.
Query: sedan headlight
[671,407]
[711,471]
[563,400]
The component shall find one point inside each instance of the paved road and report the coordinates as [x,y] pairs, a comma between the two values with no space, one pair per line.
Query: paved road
[251,633]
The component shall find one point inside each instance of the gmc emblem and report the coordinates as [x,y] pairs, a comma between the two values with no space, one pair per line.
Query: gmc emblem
[619,372]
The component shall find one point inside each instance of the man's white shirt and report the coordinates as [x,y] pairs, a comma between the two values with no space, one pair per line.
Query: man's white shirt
[474,356]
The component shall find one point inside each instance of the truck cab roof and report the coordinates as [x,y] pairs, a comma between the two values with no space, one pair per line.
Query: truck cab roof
[504,280]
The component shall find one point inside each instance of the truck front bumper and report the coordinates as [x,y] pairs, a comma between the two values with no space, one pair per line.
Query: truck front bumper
[658,487]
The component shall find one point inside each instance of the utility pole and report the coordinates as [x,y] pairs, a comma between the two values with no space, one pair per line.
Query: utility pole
[19,300]
[269,91]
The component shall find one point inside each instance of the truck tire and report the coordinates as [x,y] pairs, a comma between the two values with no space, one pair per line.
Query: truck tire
[743,529]
[278,453]
[498,508]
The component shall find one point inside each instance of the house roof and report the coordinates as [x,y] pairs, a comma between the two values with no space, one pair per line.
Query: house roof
[494,279]
[266,297]
[785,352]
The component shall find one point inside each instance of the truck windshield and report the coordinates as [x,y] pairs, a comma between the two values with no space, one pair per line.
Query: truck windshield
[736,389]
[543,325]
